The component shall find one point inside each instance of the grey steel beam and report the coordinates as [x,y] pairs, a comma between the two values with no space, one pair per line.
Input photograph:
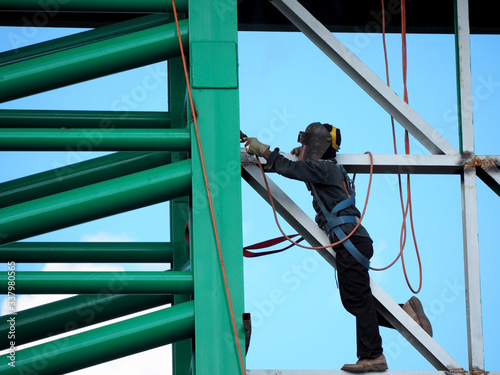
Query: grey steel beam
[469,190]
[307,228]
[403,164]
[364,77]
[339,372]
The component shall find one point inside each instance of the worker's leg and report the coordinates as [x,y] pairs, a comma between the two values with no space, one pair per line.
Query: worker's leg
[356,296]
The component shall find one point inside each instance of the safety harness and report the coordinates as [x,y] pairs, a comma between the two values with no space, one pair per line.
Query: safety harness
[334,221]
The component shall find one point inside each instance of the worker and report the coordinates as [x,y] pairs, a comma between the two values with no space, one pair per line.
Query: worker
[329,185]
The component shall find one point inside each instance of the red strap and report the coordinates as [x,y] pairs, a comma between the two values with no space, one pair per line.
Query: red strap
[265,244]
[260,245]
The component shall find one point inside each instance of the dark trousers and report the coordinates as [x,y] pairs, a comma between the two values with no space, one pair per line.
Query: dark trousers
[357,298]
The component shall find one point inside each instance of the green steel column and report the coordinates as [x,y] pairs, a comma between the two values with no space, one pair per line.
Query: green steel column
[90,61]
[104,344]
[95,201]
[214,79]
[74,313]
[179,208]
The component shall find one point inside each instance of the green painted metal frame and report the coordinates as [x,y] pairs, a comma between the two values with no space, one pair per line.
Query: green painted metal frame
[213,76]
[127,180]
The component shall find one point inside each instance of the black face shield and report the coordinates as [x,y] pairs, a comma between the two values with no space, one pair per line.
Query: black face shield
[315,141]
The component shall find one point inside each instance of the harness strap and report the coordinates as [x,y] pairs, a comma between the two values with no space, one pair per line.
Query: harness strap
[333,223]
[265,244]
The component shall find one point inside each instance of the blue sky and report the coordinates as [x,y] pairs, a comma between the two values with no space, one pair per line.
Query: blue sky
[286,83]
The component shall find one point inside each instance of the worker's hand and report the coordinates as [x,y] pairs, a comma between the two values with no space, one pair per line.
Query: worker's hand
[296,151]
[254,147]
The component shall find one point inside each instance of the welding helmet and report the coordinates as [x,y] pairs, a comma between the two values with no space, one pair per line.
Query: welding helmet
[318,139]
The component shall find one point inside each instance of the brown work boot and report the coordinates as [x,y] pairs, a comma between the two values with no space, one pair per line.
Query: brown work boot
[365,365]
[413,307]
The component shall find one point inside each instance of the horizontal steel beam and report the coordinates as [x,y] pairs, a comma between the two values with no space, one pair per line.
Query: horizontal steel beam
[78,175]
[95,201]
[339,372]
[91,61]
[10,118]
[95,5]
[169,282]
[401,164]
[410,164]
[307,228]
[364,77]
[87,252]
[406,164]
[95,140]
[106,343]
[73,313]
[83,38]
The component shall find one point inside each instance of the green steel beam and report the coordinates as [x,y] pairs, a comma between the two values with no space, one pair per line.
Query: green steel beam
[74,313]
[104,344]
[87,37]
[89,252]
[77,175]
[213,75]
[95,5]
[90,61]
[84,140]
[169,282]
[11,118]
[96,201]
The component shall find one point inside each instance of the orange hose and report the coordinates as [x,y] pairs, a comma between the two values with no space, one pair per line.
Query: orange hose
[408,208]
[216,233]
[318,247]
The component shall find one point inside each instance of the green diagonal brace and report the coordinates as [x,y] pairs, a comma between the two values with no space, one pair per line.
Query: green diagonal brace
[78,175]
[95,201]
[73,313]
[104,344]
[90,61]
[169,282]
[79,39]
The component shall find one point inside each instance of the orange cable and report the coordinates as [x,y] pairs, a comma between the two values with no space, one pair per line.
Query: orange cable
[408,208]
[221,260]
[271,200]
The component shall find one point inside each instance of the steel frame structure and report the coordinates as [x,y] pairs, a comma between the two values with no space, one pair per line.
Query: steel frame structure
[159,160]
[444,159]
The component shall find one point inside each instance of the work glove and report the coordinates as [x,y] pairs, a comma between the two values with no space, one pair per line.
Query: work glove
[254,147]
[296,151]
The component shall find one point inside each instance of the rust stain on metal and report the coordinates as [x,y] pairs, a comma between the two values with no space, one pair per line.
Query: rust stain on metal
[484,163]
